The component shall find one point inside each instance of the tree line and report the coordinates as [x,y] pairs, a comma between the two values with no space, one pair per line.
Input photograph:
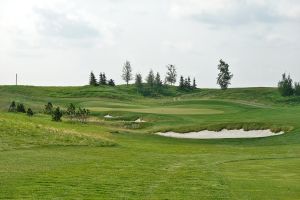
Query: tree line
[102,80]
[56,113]
[155,84]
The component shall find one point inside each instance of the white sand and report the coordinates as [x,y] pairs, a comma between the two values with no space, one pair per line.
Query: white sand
[139,121]
[222,134]
[108,116]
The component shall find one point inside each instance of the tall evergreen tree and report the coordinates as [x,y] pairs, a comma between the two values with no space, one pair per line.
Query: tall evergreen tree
[150,79]
[157,81]
[297,89]
[181,83]
[139,82]
[285,86]
[93,80]
[102,79]
[194,84]
[224,76]
[171,74]
[189,85]
[127,72]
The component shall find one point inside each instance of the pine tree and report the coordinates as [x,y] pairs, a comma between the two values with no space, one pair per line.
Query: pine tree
[189,85]
[102,79]
[171,74]
[181,83]
[150,79]
[93,80]
[111,83]
[57,114]
[127,72]
[285,86]
[224,76]
[194,84]
[12,107]
[157,81]
[21,108]
[297,89]
[139,82]
[29,112]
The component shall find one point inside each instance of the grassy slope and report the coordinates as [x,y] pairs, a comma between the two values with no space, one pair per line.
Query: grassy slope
[112,159]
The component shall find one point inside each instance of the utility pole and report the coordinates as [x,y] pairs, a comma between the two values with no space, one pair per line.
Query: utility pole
[16,79]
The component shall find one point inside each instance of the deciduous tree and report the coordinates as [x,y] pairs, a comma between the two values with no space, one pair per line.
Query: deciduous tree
[224,76]
[127,72]
[171,74]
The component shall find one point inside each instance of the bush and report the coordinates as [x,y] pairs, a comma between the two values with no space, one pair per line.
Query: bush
[82,114]
[285,86]
[48,108]
[57,114]
[29,112]
[71,111]
[12,107]
[21,108]
[297,89]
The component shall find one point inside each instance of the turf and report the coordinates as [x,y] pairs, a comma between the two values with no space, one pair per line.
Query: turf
[119,159]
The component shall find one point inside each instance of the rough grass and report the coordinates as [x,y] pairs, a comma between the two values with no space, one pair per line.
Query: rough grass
[120,159]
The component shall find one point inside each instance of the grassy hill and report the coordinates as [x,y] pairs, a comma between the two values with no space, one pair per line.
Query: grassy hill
[120,159]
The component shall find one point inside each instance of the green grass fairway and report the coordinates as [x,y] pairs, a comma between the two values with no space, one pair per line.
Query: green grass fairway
[119,159]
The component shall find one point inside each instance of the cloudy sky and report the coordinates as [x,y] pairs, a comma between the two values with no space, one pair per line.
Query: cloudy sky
[58,42]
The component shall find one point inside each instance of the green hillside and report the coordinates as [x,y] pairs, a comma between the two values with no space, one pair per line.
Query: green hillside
[120,159]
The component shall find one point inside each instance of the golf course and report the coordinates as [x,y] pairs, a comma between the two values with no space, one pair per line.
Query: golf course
[119,158]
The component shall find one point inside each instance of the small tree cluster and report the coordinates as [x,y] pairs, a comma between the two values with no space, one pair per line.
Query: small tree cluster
[80,114]
[285,86]
[186,85]
[102,80]
[19,108]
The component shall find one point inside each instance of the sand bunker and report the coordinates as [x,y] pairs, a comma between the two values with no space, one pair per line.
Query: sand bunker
[139,121]
[108,117]
[221,134]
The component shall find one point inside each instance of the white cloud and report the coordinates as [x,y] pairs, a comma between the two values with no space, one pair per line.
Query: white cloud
[236,12]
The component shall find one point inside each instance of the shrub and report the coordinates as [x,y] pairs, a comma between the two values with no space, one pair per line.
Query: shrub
[48,108]
[71,111]
[29,112]
[21,108]
[82,114]
[12,107]
[57,114]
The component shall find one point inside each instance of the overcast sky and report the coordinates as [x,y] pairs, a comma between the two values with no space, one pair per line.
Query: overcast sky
[58,42]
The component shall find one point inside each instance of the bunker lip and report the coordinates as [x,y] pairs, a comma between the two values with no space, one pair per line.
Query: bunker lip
[223,134]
